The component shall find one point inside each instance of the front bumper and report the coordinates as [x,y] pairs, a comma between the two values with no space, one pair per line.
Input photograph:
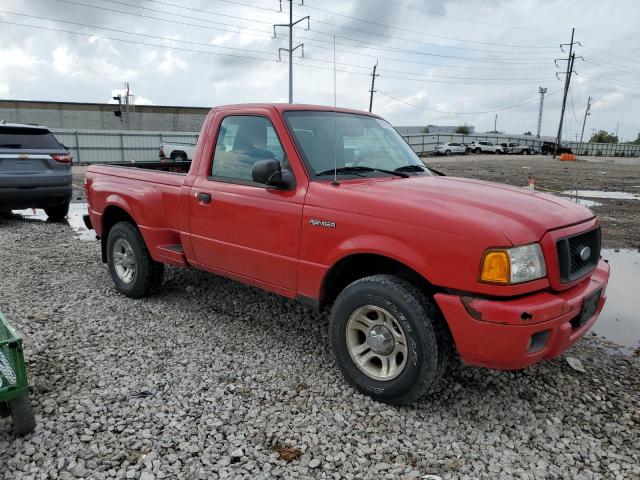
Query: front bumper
[501,334]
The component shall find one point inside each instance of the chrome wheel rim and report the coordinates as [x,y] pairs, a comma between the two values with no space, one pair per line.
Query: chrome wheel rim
[376,343]
[124,260]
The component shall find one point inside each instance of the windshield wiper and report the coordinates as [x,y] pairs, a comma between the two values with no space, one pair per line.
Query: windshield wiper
[356,169]
[410,168]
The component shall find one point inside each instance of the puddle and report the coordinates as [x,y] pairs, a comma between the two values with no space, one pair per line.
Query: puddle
[74,219]
[602,194]
[620,317]
[584,202]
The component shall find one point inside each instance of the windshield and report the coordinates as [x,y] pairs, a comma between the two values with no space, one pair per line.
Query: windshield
[354,144]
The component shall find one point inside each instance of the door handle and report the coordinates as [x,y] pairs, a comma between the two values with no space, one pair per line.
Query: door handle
[203,197]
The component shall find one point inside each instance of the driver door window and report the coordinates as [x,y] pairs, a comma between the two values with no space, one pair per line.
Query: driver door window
[242,141]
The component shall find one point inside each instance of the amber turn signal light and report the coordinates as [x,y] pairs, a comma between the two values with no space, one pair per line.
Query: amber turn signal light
[496,267]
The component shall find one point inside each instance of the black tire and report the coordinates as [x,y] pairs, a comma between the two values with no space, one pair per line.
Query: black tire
[24,421]
[179,157]
[57,212]
[429,346]
[477,151]
[148,273]
[447,152]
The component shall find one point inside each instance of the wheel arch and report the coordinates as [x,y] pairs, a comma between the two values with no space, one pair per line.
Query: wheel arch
[354,266]
[113,214]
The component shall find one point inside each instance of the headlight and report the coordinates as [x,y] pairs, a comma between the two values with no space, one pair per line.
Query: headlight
[513,265]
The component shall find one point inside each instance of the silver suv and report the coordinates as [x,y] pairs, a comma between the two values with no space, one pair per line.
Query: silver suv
[35,170]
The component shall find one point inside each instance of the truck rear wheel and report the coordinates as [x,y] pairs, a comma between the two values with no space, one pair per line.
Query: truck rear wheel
[388,339]
[134,273]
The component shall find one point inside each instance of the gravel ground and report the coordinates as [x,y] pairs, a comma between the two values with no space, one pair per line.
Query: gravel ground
[620,218]
[212,379]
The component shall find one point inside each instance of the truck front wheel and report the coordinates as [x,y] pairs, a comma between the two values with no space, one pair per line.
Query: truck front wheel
[389,339]
[134,273]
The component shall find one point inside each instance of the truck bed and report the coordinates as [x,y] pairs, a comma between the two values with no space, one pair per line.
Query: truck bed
[150,194]
[164,166]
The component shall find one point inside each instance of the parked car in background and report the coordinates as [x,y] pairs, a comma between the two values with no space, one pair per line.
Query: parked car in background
[517,149]
[548,148]
[35,170]
[486,147]
[332,208]
[176,152]
[450,147]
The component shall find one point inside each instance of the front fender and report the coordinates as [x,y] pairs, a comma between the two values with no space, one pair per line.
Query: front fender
[382,245]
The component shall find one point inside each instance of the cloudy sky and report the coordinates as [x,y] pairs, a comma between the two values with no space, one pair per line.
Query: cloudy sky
[445,62]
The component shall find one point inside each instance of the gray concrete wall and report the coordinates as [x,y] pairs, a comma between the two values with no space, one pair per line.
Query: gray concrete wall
[101,116]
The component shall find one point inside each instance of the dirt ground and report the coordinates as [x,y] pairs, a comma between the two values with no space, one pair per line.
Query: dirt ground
[620,218]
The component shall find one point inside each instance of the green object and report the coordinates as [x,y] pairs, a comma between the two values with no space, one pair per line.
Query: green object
[14,388]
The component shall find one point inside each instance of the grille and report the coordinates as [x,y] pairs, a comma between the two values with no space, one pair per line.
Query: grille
[571,251]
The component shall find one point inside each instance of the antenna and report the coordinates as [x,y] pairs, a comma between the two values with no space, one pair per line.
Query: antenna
[335,114]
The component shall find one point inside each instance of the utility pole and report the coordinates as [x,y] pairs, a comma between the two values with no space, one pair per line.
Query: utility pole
[617,125]
[542,91]
[586,113]
[373,83]
[126,106]
[495,124]
[567,80]
[291,48]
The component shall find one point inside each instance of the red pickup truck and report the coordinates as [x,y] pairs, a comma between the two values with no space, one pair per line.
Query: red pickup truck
[332,208]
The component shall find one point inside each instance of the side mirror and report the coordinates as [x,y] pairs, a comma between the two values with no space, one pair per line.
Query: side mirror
[268,172]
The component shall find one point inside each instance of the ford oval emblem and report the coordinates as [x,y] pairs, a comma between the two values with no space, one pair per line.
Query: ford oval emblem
[584,253]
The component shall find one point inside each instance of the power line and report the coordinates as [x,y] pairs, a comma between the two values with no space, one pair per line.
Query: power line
[613,81]
[462,113]
[478,22]
[446,78]
[348,28]
[374,46]
[416,32]
[135,33]
[245,57]
[612,67]
[572,108]
[626,59]
[168,20]
[448,82]
[319,31]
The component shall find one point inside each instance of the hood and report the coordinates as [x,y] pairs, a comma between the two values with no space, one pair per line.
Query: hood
[521,215]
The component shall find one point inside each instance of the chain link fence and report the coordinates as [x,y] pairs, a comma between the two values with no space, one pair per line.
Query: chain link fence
[426,143]
[109,146]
